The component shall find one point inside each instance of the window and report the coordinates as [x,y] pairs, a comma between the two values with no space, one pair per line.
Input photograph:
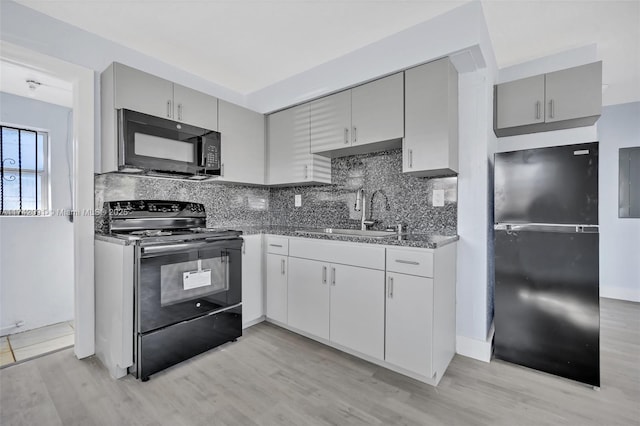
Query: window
[23,180]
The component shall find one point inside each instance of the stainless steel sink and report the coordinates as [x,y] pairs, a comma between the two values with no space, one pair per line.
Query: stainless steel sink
[348,232]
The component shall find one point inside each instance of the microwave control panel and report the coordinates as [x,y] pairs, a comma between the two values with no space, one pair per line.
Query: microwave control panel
[212,157]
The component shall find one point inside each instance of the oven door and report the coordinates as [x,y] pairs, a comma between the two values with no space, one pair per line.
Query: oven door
[157,144]
[179,282]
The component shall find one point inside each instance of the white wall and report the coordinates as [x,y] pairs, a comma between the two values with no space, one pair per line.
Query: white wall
[618,127]
[36,260]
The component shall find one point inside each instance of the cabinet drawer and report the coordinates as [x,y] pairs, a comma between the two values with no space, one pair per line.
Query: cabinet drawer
[413,262]
[362,255]
[277,245]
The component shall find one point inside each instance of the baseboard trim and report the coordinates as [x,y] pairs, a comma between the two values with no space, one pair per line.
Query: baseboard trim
[476,349]
[253,322]
[620,293]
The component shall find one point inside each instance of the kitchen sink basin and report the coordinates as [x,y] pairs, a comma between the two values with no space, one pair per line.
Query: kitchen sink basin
[348,232]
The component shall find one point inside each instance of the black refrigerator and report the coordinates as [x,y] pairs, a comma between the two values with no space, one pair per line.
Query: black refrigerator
[546,306]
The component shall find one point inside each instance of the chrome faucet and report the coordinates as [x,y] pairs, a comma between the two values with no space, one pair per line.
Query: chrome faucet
[361,205]
[387,207]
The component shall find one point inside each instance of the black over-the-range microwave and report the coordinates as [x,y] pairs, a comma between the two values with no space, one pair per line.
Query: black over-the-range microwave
[157,146]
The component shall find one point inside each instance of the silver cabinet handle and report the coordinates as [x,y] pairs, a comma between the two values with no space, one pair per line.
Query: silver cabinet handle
[355,134]
[410,158]
[346,135]
[324,275]
[275,245]
[222,170]
[169,109]
[390,287]
[333,276]
[306,171]
[244,247]
[407,262]
[282,266]
[179,112]
[551,108]
[537,110]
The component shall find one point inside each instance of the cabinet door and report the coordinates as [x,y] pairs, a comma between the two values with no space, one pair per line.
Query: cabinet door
[377,110]
[308,297]
[409,325]
[431,118]
[520,102]
[277,287]
[142,92]
[242,144]
[195,108]
[252,293]
[357,309]
[289,156]
[330,119]
[574,93]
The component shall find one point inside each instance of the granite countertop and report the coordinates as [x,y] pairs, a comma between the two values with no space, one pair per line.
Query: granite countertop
[431,241]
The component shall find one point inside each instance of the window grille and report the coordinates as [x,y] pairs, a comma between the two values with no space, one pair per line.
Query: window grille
[23,174]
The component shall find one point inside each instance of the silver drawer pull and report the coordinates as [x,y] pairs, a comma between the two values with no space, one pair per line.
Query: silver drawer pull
[407,262]
[276,245]
[324,275]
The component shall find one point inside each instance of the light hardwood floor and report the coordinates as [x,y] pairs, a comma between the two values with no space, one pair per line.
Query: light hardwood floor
[274,377]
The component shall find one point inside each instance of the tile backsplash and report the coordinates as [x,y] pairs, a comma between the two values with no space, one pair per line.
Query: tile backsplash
[409,199]
[227,206]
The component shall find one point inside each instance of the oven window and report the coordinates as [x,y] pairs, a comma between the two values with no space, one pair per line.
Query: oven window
[157,147]
[180,282]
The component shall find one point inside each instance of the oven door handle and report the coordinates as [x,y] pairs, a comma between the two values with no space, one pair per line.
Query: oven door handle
[173,248]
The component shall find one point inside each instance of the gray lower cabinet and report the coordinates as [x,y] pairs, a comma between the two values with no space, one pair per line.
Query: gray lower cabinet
[553,101]
[430,146]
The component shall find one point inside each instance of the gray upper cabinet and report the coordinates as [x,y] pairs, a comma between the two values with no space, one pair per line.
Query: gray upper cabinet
[242,148]
[520,102]
[142,92]
[574,93]
[195,108]
[146,93]
[290,160]
[430,145]
[331,122]
[377,110]
[365,118]
[558,100]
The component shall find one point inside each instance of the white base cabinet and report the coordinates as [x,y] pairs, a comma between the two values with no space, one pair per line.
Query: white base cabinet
[392,306]
[252,288]
[308,296]
[421,310]
[277,266]
[409,322]
[357,309]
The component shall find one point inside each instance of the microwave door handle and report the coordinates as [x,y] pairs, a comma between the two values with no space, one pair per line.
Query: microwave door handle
[203,153]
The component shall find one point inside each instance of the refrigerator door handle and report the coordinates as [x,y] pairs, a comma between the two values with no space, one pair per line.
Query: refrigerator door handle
[546,227]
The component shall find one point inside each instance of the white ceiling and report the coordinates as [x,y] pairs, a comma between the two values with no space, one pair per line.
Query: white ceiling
[13,79]
[246,45]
